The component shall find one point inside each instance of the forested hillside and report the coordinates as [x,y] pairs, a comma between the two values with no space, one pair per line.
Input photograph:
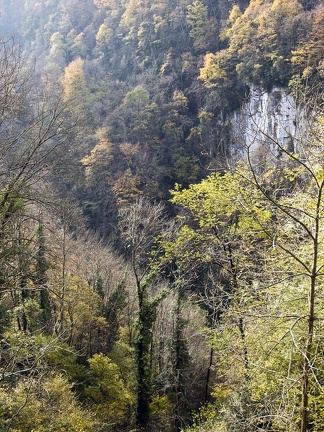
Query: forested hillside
[158,272]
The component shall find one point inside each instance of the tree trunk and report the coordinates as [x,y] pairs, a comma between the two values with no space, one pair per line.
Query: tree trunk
[143,359]
[311,317]
[211,355]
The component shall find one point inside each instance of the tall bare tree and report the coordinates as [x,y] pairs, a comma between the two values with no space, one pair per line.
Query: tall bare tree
[139,223]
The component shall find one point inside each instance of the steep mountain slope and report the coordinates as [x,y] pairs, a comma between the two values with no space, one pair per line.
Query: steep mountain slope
[157,80]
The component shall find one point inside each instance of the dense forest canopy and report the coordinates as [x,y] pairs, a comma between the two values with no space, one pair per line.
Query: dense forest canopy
[157,272]
[158,80]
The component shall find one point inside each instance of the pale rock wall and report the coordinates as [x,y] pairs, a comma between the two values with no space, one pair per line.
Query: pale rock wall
[265,119]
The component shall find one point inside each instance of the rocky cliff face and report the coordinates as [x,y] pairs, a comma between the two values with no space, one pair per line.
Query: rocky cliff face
[265,119]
